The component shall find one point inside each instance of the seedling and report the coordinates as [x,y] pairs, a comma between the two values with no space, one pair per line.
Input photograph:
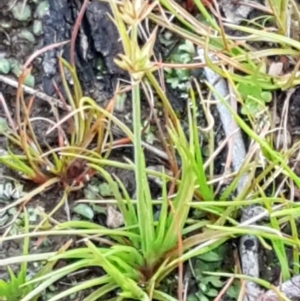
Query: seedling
[254,97]
[15,288]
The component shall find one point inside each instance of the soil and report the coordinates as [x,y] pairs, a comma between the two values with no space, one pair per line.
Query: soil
[96,47]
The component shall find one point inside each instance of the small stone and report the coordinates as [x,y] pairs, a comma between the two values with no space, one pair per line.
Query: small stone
[8,188]
[5,25]
[29,81]
[84,210]
[275,69]
[21,12]
[26,35]
[37,27]
[41,10]
[4,66]
[3,220]
[3,127]
[15,67]
[114,218]
[91,192]
[105,190]
[3,152]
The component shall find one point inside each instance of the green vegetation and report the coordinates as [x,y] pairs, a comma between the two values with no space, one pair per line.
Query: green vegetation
[86,121]
[189,223]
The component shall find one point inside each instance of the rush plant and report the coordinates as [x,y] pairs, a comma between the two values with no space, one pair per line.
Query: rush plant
[89,130]
[84,130]
[15,288]
[159,235]
[136,258]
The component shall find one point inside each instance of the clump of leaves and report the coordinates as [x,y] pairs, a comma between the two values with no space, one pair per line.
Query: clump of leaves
[88,131]
[183,54]
[137,257]
[12,290]
[209,286]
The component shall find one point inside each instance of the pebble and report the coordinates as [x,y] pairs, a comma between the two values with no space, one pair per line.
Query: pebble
[21,12]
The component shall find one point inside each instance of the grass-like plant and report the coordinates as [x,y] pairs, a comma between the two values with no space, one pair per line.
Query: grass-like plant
[146,250]
[15,288]
[249,65]
[83,133]
[140,255]
[89,130]
[155,242]
[84,129]
[11,290]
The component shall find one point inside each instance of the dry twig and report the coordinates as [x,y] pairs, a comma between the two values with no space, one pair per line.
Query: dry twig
[52,101]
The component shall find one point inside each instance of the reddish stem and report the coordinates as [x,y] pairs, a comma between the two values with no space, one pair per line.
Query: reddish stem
[75,32]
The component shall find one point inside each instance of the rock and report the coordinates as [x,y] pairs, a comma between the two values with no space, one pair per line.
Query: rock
[21,12]
[97,44]
[233,11]
[4,66]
